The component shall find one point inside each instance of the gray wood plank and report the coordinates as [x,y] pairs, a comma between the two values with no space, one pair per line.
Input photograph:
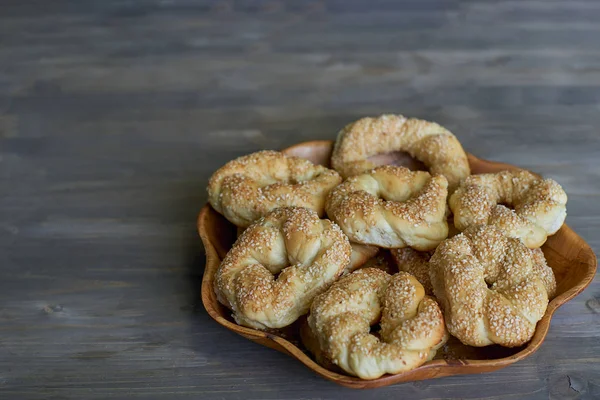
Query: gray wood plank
[114,114]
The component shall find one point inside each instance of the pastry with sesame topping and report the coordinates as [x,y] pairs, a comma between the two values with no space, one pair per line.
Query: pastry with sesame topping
[361,253]
[415,263]
[412,324]
[392,207]
[538,206]
[489,286]
[278,265]
[247,188]
[430,143]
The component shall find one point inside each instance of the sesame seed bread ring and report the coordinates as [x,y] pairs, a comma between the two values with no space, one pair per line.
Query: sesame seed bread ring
[391,207]
[415,263]
[412,324]
[307,253]
[489,287]
[250,186]
[430,143]
[539,205]
[361,253]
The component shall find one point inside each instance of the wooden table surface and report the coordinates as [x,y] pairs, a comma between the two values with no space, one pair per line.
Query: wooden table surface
[113,115]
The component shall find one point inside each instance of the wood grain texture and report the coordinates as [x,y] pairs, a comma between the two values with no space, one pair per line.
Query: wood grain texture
[113,114]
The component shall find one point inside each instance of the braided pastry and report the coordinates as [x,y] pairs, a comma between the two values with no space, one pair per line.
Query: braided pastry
[428,142]
[391,207]
[416,263]
[248,187]
[489,287]
[307,253]
[361,253]
[539,205]
[412,324]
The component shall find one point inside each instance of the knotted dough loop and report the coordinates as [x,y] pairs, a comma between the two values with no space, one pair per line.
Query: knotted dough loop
[539,205]
[412,324]
[250,186]
[430,143]
[489,287]
[392,207]
[307,253]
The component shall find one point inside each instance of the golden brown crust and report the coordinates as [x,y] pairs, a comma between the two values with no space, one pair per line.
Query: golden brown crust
[426,141]
[361,253]
[412,324]
[306,253]
[489,287]
[248,187]
[391,207]
[415,263]
[539,205]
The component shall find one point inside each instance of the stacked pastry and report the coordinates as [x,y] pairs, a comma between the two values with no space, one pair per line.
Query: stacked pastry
[309,235]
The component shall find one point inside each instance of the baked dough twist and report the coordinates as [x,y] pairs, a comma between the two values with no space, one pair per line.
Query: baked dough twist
[391,207]
[416,263]
[412,324]
[430,143]
[306,252]
[250,186]
[489,288]
[539,205]
[361,253]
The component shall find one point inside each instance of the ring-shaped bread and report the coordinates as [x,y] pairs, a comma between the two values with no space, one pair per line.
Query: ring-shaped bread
[392,207]
[416,263]
[361,253]
[430,143]
[412,324]
[250,186]
[539,205]
[489,287]
[278,265]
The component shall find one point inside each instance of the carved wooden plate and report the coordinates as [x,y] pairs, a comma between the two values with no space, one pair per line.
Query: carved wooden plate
[571,258]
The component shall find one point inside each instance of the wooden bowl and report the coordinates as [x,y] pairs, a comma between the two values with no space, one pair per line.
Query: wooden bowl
[571,258]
